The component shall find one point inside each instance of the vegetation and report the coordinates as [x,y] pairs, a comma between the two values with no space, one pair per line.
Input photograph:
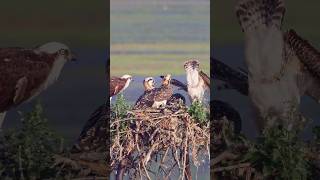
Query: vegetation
[34,151]
[280,152]
[198,112]
[27,152]
[119,110]
[277,154]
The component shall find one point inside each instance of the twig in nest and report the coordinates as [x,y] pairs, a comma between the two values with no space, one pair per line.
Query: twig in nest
[223,156]
[153,132]
[228,168]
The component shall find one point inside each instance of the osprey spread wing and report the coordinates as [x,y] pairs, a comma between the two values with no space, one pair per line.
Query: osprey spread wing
[309,58]
[22,72]
[237,80]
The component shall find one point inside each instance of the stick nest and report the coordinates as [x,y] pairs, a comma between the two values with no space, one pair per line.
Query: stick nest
[164,137]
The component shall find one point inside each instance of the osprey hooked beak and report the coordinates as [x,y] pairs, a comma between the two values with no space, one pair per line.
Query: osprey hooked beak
[166,79]
[73,56]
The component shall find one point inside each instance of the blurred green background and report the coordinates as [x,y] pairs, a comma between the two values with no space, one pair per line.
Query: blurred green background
[152,37]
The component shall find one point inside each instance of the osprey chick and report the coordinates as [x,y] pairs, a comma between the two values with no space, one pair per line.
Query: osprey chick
[148,84]
[177,98]
[197,80]
[25,73]
[156,97]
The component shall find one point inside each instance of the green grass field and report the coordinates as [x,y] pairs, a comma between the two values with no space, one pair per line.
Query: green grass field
[152,37]
[156,59]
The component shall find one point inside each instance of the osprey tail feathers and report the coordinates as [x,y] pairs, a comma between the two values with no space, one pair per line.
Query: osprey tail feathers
[256,13]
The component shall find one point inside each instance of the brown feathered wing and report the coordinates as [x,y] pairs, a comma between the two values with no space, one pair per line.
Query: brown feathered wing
[116,85]
[22,72]
[205,78]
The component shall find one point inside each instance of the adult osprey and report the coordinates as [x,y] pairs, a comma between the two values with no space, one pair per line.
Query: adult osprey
[197,80]
[281,66]
[119,84]
[25,73]
[157,97]
[233,79]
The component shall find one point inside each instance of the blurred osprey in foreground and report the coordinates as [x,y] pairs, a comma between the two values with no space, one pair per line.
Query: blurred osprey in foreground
[25,73]
[197,80]
[281,66]
[93,136]
[119,84]
[156,97]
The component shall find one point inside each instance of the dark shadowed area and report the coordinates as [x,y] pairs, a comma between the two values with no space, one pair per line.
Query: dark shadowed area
[81,87]
[229,48]
[68,103]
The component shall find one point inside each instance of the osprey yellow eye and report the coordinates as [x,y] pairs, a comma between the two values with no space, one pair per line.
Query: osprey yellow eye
[63,52]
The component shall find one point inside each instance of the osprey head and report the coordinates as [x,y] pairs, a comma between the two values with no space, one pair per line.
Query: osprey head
[192,70]
[191,65]
[56,48]
[148,83]
[127,77]
[166,79]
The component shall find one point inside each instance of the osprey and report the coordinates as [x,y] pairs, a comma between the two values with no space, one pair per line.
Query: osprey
[281,65]
[93,137]
[156,97]
[149,85]
[119,84]
[233,79]
[221,109]
[197,80]
[177,98]
[25,73]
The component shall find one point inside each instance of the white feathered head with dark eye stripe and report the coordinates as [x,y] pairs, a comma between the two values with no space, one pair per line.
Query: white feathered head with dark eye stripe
[148,83]
[56,48]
